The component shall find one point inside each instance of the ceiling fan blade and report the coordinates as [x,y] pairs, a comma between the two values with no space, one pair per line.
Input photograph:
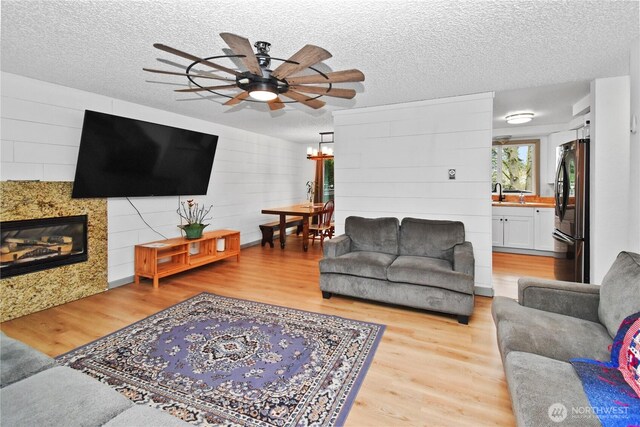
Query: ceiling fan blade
[194,58]
[334,91]
[199,89]
[241,46]
[304,58]
[239,97]
[204,76]
[345,76]
[276,104]
[304,99]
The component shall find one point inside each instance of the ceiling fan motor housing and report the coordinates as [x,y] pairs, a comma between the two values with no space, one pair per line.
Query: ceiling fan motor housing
[250,82]
[264,60]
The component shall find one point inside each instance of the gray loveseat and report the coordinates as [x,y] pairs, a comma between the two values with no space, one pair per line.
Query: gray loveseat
[553,322]
[37,392]
[421,263]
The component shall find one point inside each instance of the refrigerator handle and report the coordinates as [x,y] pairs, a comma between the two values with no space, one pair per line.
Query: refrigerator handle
[561,188]
[556,188]
[581,190]
[561,238]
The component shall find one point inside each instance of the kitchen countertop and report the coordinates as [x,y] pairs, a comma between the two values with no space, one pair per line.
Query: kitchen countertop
[523,205]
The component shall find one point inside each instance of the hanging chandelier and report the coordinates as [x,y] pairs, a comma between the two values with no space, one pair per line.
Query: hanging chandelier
[321,153]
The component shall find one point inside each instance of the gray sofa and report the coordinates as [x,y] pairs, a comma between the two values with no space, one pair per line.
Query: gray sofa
[553,322]
[420,263]
[34,391]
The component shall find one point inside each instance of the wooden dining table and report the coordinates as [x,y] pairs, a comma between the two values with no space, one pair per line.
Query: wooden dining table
[303,210]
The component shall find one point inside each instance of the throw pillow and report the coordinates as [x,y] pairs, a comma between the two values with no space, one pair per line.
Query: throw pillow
[612,387]
[629,357]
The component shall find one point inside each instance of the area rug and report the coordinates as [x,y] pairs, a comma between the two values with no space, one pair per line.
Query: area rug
[212,360]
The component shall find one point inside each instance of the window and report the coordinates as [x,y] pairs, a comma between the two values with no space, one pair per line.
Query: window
[515,165]
[328,187]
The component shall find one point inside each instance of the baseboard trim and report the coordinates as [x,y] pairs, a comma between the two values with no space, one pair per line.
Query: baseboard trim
[483,291]
[522,251]
[249,244]
[120,282]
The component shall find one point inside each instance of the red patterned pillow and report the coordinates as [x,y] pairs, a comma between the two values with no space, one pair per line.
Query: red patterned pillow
[629,357]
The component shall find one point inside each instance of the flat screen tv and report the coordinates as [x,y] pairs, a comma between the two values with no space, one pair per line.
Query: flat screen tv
[123,157]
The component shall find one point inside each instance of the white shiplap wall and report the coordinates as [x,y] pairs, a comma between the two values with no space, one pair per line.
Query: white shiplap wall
[634,151]
[610,222]
[40,136]
[394,161]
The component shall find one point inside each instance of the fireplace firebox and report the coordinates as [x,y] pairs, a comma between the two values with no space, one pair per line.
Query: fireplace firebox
[39,244]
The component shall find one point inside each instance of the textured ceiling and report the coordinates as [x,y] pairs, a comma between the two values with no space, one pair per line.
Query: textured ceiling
[551,104]
[408,50]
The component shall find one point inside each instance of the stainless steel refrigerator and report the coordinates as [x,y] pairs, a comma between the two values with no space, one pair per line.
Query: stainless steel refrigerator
[571,233]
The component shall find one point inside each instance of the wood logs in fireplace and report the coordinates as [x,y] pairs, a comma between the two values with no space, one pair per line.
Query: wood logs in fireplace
[24,250]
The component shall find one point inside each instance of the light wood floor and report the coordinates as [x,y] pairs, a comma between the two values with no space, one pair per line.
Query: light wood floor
[507,268]
[428,369]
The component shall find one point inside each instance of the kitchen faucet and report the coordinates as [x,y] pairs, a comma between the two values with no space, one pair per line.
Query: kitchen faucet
[501,196]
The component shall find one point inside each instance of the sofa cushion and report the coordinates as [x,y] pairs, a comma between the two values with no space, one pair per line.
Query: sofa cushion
[18,360]
[143,415]
[422,297]
[60,396]
[620,292]
[548,334]
[538,385]
[373,234]
[430,238]
[364,264]
[419,270]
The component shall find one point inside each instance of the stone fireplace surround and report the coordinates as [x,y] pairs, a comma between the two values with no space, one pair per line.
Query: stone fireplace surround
[39,290]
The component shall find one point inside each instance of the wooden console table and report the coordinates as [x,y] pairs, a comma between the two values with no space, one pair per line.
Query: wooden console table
[166,257]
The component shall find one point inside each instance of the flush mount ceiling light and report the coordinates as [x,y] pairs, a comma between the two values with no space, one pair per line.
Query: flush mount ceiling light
[518,118]
[295,78]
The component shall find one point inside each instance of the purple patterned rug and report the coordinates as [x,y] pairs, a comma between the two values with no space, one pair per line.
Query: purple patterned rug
[224,361]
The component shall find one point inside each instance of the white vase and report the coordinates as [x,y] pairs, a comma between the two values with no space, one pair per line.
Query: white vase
[220,243]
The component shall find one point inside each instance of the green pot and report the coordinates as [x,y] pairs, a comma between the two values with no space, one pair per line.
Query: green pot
[193,231]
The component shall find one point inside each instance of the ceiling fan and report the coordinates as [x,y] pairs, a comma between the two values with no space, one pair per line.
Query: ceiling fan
[294,78]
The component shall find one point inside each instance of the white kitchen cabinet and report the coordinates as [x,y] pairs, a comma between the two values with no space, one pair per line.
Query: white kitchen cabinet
[513,227]
[518,232]
[543,225]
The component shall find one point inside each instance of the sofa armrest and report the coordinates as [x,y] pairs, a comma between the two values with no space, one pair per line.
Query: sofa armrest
[579,300]
[337,246]
[463,260]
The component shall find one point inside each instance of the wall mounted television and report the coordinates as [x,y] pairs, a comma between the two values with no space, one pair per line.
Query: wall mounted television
[123,157]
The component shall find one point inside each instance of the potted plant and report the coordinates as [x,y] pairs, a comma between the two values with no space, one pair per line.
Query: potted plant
[194,215]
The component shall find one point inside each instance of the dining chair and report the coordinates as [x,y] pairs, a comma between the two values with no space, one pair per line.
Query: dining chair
[324,227]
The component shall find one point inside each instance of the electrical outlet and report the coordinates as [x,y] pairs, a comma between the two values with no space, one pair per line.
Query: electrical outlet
[452,174]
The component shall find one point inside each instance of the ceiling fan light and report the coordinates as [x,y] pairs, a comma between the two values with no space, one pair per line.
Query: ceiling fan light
[263,95]
[262,92]
[519,118]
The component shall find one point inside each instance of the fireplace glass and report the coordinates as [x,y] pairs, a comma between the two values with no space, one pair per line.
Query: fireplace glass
[38,244]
